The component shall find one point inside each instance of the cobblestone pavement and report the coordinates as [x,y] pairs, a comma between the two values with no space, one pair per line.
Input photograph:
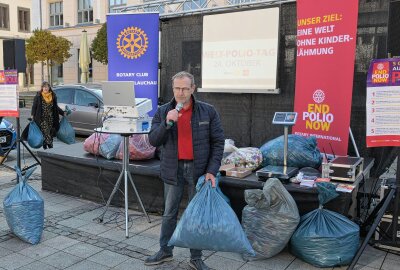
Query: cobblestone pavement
[74,239]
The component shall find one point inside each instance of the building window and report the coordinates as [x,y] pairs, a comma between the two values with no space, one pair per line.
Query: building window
[57,75]
[24,20]
[4,17]
[85,11]
[114,4]
[56,14]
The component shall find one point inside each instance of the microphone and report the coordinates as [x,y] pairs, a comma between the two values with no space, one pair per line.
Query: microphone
[178,107]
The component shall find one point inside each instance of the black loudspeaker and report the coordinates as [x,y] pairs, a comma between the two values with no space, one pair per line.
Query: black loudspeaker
[14,54]
[393,46]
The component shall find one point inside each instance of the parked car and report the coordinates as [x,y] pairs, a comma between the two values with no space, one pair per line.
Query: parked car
[8,135]
[85,103]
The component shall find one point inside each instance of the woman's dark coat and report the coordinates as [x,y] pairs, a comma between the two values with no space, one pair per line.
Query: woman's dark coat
[37,112]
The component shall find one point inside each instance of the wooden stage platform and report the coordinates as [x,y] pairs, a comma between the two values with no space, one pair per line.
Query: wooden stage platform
[70,170]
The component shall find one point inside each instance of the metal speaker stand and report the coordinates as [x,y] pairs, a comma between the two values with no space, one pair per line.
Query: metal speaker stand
[18,143]
[376,216]
[125,174]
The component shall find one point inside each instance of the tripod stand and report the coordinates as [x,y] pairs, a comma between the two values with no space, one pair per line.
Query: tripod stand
[125,174]
[18,143]
[375,217]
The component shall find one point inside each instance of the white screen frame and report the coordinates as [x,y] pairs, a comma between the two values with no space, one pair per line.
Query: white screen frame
[229,82]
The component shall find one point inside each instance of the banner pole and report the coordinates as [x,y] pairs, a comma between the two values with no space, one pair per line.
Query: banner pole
[18,146]
[354,142]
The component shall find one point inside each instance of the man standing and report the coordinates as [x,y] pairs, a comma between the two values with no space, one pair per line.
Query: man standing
[191,138]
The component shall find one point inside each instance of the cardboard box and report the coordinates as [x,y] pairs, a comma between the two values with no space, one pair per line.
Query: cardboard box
[225,168]
[238,172]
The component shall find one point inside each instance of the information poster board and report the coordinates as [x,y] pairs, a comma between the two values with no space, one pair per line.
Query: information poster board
[383,103]
[8,93]
[9,100]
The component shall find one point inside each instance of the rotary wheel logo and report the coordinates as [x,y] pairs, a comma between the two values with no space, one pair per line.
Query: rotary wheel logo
[318,96]
[132,42]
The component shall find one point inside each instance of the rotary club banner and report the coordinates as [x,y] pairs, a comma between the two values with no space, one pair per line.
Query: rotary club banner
[133,52]
[326,42]
[383,103]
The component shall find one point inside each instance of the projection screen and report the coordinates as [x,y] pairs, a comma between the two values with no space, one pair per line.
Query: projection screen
[240,52]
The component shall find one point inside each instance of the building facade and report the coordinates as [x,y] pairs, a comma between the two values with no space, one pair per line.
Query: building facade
[15,27]
[68,19]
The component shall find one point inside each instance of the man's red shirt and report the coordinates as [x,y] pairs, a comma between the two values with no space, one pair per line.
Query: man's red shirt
[185,142]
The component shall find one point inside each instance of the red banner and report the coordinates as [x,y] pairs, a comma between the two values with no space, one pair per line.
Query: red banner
[326,41]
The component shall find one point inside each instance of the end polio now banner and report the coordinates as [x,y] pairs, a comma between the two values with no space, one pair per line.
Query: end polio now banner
[326,42]
[383,103]
[133,52]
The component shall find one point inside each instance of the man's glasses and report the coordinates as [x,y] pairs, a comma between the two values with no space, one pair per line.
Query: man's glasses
[183,89]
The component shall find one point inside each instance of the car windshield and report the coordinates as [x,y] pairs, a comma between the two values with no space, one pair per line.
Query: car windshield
[98,92]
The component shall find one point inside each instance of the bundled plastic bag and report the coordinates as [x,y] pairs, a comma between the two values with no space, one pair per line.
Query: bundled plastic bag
[325,238]
[139,148]
[209,223]
[269,219]
[35,136]
[248,157]
[24,210]
[109,147]
[302,152]
[93,142]
[66,133]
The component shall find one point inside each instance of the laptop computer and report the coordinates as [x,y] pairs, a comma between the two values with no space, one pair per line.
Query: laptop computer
[118,93]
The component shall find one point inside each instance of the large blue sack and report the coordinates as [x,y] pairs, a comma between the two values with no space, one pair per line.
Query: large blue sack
[35,136]
[209,223]
[24,210]
[66,133]
[325,238]
[302,152]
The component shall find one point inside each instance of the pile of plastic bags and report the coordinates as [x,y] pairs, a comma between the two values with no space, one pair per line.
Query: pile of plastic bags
[24,210]
[111,146]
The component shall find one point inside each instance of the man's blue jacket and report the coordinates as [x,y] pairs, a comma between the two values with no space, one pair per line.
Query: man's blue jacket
[207,135]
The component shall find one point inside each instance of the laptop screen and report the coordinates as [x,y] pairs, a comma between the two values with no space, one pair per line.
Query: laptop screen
[118,93]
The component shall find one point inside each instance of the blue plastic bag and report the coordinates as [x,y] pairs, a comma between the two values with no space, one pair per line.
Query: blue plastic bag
[200,183]
[110,146]
[35,136]
[325,238]
[209,223]
[66,133]
[302,152]
[24,210]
